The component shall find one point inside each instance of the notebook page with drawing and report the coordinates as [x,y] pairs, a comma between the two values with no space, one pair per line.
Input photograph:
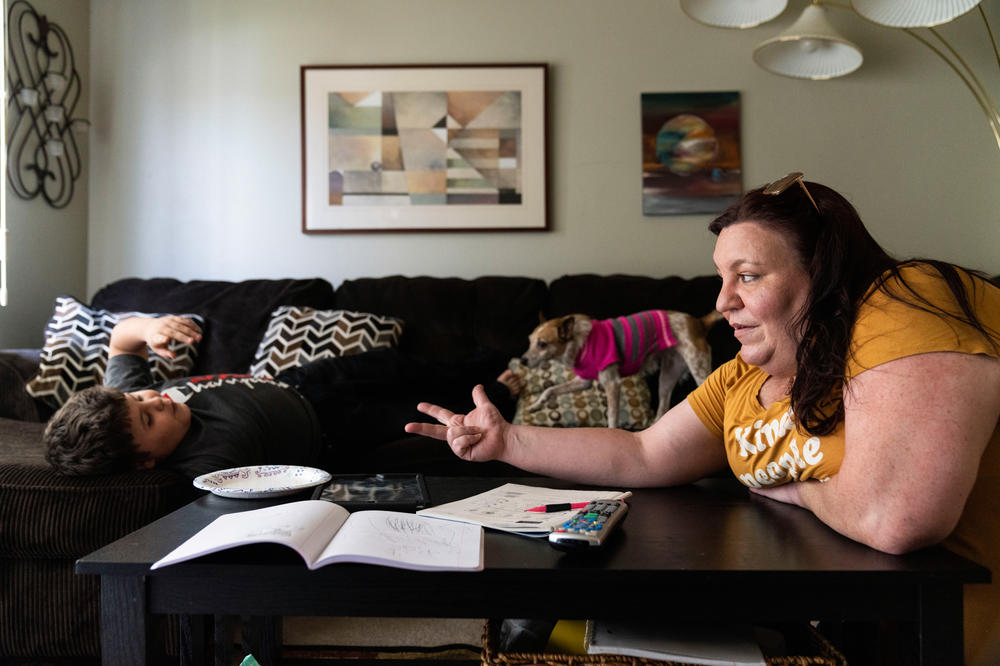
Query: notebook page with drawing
[324,533]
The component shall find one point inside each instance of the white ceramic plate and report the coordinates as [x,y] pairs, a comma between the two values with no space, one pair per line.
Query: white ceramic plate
[261,480]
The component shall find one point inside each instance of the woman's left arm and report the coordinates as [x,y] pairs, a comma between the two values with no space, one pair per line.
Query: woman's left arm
[915,430]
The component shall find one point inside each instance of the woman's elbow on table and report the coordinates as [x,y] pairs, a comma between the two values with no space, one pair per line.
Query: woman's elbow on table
[904,531]
[892,522]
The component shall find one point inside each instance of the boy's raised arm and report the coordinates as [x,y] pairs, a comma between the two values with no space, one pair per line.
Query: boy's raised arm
[133,335]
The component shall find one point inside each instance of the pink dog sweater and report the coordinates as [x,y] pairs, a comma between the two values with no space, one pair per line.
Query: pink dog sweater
[626,340]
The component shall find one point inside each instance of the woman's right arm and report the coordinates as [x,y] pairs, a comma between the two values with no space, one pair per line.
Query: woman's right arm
[675,450]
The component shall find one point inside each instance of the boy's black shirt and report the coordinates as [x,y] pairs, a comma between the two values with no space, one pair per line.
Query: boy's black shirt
[236,420]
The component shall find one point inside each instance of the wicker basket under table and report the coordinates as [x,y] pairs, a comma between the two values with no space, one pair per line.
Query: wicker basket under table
[801,637]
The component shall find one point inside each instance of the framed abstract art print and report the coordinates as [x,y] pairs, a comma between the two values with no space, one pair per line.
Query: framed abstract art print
[424,148]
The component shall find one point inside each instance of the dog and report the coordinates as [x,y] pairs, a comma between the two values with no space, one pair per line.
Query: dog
[607,350]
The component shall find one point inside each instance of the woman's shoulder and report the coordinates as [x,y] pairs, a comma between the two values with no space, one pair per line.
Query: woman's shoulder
[914,309]
[922,282]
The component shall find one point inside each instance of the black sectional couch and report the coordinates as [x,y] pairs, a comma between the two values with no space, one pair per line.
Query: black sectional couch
[47,520]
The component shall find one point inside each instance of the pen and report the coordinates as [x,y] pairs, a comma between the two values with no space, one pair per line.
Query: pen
[552,508]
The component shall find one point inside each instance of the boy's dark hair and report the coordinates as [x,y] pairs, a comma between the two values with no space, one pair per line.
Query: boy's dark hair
[91,434]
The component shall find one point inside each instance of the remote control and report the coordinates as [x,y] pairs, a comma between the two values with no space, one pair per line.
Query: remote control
[590,526]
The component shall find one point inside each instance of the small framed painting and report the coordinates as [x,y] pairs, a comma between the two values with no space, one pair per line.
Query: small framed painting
[399,148]
[690,152]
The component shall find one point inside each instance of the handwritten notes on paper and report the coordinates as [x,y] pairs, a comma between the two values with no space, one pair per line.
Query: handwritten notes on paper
[506,508]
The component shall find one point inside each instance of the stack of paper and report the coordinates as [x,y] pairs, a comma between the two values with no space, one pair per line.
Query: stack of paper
[506,508]
[711,643]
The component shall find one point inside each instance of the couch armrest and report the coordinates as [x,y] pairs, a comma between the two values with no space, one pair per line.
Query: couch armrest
[25,361]
[17,366]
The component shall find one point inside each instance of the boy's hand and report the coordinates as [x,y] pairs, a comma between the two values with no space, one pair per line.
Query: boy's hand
[512,381]
[163,330]
[133,335]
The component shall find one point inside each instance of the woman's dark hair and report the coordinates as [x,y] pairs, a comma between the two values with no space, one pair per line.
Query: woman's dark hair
[91,434]
[843,261]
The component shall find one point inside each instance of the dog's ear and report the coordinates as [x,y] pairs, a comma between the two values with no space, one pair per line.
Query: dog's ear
[541,317]
[566,328]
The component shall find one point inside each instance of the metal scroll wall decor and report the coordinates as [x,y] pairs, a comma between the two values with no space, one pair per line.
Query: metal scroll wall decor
[43,89]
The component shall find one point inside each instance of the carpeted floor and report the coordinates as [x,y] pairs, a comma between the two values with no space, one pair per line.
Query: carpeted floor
[301,657]
[375,641]
[456,655]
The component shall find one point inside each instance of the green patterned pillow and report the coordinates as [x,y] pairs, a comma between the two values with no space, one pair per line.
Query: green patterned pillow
[587,408]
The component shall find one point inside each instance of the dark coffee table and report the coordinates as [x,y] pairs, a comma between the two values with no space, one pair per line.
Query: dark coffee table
[699,552]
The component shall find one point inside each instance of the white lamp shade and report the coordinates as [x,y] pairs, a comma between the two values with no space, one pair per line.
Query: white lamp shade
[809,49]
[912,13]
[733,13]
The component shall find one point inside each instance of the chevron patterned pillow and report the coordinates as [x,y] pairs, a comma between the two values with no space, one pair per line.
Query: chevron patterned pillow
[75,354]
[296,335]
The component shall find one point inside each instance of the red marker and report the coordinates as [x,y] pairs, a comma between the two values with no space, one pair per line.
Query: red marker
[553,508]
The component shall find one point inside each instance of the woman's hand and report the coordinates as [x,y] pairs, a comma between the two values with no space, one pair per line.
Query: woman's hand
[787,493]
[477,436]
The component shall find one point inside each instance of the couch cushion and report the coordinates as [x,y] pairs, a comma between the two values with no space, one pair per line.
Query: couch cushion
[603,296]
[613,295]
[75,354]
[72,516]
[297,335]
[506,311]
[450,319]
[236,313]
[50,615]
[47,521]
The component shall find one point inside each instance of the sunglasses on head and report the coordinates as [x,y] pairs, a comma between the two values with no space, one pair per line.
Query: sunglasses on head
[782,184]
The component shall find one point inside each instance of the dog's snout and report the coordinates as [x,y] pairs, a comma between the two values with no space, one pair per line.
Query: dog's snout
[531,358]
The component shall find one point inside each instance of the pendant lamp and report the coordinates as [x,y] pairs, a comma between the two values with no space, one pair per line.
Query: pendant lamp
[729,14]
[910,14]
[809,49]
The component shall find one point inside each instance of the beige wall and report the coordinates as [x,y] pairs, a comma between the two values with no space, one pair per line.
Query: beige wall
[47,249]
[195,148]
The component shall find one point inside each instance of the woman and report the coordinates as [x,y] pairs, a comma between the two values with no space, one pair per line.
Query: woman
[866,390]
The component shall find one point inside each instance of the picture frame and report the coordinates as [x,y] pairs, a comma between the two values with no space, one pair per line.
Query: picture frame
[424,148]
[691,158]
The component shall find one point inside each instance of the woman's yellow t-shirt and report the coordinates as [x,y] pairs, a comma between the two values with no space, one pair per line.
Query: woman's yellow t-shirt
[765,448]
[763,445]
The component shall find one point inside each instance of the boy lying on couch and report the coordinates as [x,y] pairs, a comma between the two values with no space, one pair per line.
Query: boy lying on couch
[198,425]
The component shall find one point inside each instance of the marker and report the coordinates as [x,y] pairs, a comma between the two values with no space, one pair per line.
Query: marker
[552,508]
